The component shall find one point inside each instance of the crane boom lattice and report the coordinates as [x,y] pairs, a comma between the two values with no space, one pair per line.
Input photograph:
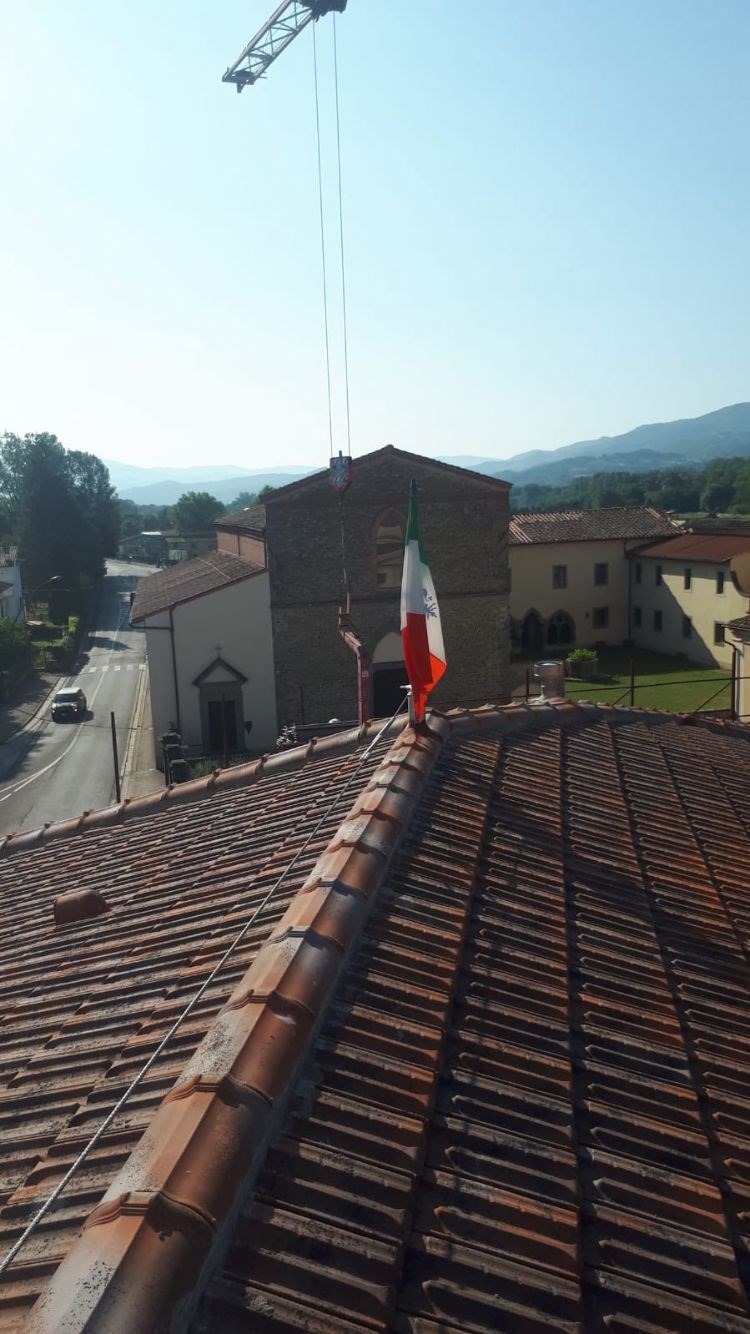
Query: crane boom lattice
[274,37]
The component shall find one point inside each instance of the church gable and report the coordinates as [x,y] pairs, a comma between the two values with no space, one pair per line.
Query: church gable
[391,468]
[219,673]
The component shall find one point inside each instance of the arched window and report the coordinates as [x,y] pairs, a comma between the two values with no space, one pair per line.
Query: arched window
[561,631]
[532,633]
[389,549]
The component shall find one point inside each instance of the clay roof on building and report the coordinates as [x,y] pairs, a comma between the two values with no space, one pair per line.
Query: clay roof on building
[483,1065]
[83,1003]
[722,524]
[740,626]
[589,525]
[250,520]
[698,546]
[189,579]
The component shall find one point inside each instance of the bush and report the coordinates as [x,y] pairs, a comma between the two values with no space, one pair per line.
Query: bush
[582,655]
[62,649]
[16,648]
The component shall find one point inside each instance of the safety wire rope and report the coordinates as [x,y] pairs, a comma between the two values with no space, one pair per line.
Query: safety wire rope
[54,1196]
[322,242]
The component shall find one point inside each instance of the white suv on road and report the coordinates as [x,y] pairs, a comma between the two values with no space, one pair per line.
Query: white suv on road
[68,703]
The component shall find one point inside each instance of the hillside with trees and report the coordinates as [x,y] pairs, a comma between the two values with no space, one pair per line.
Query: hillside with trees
[688,442]
[722,486]
[194,512]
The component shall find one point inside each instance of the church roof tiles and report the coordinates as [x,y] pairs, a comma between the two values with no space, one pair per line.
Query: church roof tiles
[482,1064]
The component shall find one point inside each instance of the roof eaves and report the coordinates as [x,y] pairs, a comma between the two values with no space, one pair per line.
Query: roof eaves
[251,573]
[198,789]
[162,1221]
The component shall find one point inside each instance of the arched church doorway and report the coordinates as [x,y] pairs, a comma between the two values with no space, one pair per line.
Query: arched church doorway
[532,634]
[388,676]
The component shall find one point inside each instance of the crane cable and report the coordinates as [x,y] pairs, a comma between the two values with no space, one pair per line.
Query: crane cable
[322,243]
[342,255]
[341,240]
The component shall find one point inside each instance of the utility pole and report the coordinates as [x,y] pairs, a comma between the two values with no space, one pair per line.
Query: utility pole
[114,756]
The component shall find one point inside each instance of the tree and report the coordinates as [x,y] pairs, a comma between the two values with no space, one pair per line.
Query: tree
[196,512]
[47,517]
[247,498]
[243,501]
[16,649]
[97,505]
[720,481]
[59,507]
[130,518]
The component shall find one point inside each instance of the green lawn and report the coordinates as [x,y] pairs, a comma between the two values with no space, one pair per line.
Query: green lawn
[662,682]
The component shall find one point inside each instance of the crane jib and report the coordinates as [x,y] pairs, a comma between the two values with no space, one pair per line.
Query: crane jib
[274,37]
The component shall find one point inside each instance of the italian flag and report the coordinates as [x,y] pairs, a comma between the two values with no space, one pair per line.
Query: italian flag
[421,635]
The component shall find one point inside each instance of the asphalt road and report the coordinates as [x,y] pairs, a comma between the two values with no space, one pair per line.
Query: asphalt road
[52,771]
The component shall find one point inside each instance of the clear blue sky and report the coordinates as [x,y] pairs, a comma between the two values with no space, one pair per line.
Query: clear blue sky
[547,210]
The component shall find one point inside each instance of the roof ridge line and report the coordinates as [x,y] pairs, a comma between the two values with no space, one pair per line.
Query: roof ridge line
[519,714]
[221,780]
[163,1218]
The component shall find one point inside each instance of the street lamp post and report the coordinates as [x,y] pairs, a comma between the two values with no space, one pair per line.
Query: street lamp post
[53,579]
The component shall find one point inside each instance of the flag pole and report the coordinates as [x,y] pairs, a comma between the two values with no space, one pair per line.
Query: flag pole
[421,632]
[409,690]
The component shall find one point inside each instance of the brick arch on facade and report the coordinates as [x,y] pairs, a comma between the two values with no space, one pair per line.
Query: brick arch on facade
[388,674]
[388,650]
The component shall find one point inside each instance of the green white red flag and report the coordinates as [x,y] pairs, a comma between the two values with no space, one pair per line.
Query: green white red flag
[421,633]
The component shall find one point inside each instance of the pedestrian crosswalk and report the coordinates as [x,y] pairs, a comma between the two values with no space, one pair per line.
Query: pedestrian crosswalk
[122,667]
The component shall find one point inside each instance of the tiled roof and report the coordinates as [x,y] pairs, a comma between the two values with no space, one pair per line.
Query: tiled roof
[251,520]
[489,1070]
[589,525]
[698,546]
[740,626]
[83,1005]
[721,526]
[187,580]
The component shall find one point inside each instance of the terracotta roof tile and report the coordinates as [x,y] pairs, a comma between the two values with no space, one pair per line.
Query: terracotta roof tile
[250,520]
[520,1040]
[589,525]
[740,626]
[489,1069]
[698,546]
[83,1005]
[189,579]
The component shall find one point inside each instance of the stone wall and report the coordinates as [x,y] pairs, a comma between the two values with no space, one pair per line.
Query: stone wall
[463,521]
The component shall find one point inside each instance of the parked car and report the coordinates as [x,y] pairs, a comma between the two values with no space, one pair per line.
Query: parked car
[68,703]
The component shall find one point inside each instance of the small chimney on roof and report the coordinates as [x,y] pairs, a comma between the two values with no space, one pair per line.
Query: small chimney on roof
[551,676]
[78,905]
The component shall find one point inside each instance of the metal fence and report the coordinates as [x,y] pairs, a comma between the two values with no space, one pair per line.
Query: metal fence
[636,686]
[199,761]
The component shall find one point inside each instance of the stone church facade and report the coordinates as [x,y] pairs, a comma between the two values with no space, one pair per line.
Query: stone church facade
[245,639]
[312,535]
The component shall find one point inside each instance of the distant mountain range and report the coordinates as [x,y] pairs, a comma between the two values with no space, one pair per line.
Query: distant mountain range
[686,443]
[226,489]
[689,443]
